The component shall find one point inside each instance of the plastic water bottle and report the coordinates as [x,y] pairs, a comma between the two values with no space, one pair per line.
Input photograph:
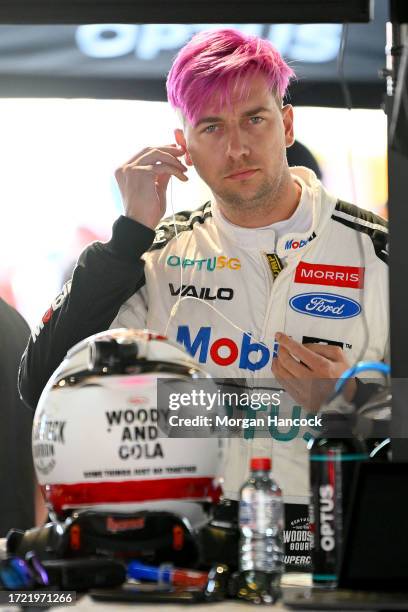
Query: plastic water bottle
[261,522]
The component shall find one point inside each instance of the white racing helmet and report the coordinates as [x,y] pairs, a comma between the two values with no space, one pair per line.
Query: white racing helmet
[96,440]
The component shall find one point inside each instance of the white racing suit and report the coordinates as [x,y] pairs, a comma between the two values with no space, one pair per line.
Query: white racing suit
[332,277]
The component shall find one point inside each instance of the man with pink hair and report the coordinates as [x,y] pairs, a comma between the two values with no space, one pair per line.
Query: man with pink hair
[272,259]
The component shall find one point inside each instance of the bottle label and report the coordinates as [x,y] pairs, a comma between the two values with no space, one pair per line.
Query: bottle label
[331,477]
[326,515]
[259,511]
[297,538]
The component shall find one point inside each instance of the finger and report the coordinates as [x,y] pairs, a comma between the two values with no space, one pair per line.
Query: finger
[305,355]
[292,385]
[173,150]
[171,146]
[297,369]
[162,181]
[305,392]
[165,169]
[334,353]
[157,158]
[156,155]
[279,370]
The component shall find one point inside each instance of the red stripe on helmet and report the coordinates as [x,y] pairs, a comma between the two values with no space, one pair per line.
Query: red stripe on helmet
[64,496]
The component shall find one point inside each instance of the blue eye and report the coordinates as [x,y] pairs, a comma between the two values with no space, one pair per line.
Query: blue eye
[256,120]
[209,129]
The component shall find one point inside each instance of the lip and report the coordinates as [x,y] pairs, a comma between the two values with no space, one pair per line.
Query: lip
[244,174]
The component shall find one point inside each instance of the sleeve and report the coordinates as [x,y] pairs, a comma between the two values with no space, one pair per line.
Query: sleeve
[105,276]
[133,312]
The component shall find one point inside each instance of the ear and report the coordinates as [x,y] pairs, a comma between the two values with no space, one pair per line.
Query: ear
[287,116]
[181,141]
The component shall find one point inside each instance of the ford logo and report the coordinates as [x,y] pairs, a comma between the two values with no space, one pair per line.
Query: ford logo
[325,305]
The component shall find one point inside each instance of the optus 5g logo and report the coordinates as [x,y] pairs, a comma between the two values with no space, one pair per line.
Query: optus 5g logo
[208,263]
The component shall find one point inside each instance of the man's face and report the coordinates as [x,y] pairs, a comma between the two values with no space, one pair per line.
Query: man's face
[240,152]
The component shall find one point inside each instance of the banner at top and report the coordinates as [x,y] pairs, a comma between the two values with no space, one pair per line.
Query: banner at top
[132,61]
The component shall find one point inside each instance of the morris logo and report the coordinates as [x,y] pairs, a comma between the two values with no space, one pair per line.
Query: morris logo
[325,305]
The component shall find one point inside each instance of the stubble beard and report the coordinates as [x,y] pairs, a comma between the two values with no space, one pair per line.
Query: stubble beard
[263,199]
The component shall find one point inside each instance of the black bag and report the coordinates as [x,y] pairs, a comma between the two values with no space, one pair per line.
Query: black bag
[152,537]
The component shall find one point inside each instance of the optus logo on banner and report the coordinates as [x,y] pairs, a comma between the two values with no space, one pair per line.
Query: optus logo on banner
[325,274]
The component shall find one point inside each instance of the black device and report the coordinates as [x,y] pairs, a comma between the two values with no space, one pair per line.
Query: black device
[153,537]
[84,574]
[215,590]
[219,539]
[333,458]
[150,594]
[374,568]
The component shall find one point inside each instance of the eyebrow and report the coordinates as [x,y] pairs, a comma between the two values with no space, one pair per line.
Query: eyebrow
[249,113]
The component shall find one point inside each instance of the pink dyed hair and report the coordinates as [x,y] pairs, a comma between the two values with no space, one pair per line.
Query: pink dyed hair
[212,62]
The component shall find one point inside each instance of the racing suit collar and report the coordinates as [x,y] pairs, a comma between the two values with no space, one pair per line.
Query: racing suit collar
[259,238]
[295,245]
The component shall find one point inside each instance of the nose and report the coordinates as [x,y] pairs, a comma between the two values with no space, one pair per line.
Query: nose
[236,143]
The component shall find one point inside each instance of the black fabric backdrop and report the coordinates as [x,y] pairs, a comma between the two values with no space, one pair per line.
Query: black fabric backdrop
[131,61]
